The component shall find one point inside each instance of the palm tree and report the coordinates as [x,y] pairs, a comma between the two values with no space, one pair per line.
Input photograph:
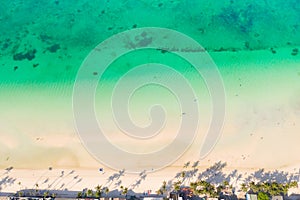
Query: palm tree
[124,190]
[46,194]
[254,187]
[53,195]
[193,186]
[20,193]
[89,193]
[244,187]
[79,195]
[262,196]
[106,190]
[265,187]
[226,183]
[36,187]
[177,185]
[268,188]
[163,188]
[204,188]
[98,192]
[20,184]
[210,190]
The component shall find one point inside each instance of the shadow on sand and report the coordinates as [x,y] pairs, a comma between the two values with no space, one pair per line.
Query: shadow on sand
[5,179]
[216,175]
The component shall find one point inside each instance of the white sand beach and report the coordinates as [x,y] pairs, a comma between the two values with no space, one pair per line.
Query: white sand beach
[261,130]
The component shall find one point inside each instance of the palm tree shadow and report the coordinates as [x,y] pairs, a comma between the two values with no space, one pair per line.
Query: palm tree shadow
[72,181]
[114,178]
[7,180]
[118,184]
[214,174]
[62,179]
[60,176]
[138,181]
[272,176]
[6,171]
[43,175]
[78,181]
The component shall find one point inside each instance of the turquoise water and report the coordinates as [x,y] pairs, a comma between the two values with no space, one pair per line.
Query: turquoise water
[47,40]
